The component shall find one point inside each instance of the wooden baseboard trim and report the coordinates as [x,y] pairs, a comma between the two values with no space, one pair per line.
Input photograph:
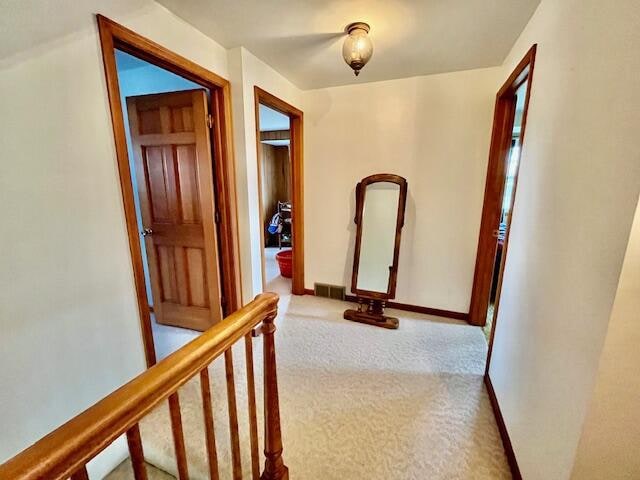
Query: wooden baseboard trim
[429,311]
[411,308]
[506,441]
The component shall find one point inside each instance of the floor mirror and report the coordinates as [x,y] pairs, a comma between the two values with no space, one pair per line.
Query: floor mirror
[379,218]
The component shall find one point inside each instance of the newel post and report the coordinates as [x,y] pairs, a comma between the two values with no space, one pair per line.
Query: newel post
[274,467]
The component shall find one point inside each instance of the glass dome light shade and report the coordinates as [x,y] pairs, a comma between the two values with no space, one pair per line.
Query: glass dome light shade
[357,48]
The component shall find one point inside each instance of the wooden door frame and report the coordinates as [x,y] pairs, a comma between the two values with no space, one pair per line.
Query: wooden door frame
[296,124]
[112,36]
[494,186]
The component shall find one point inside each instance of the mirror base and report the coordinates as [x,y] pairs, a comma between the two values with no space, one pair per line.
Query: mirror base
[379,320]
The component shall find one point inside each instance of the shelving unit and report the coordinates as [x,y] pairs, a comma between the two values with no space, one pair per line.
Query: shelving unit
[284,237]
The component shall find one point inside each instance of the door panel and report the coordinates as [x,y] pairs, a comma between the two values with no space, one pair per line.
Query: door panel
[175,182]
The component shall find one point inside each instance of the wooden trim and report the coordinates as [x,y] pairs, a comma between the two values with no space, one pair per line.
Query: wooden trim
[361,189]
[112,36]
[271,101]
[126,184]
[296,149]
[531,55]
[297,207]
[494,186]
[502,428]
[275,135]
[259,154]
[428,311]
[152,52]
[226,199]
[410,308]
[69,447]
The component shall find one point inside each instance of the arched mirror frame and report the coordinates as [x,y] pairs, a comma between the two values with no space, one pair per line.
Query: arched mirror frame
[361,190]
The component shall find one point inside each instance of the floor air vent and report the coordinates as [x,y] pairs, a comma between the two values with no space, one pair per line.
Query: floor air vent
[329,291]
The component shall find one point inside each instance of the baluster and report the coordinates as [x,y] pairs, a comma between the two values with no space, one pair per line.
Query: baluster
[178,437]
[274,467]
[210,435]
[80,474]
[135,451]
[233,416]
[253,416]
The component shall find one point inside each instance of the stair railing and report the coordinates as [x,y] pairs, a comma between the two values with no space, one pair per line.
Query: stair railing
[66,451]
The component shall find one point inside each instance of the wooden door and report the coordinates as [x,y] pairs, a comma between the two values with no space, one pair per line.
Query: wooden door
[173,164]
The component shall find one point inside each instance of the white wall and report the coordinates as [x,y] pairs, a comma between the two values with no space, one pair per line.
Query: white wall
[611,431]
[577,190]
[435,132]
[68,314]
[247,71]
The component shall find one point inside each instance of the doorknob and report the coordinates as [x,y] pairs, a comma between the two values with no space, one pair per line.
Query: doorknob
[146,231]
[495,233]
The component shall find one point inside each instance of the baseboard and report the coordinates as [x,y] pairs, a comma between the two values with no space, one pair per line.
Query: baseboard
[502,428]
[429,311]
[411,308]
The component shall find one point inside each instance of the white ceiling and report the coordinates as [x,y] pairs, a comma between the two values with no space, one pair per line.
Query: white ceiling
[302,39]
[26,24]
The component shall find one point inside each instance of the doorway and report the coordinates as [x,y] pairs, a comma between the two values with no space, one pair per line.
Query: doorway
[275,187]
[169,145]
[172,133]
[512,102]
[279,155]
[508,197]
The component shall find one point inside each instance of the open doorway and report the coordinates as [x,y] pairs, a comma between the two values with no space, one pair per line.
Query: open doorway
[171,126]
[508,196]
[275,166]
[170,161]
[279,152]
[509,124]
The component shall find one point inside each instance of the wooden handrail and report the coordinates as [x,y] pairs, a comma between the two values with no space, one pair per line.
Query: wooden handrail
[67,449]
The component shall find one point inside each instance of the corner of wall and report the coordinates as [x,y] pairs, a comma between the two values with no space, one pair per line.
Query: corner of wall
[246,71]
[612,420]
[236,77]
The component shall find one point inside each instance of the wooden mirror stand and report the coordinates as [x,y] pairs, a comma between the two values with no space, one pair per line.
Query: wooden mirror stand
[380,206]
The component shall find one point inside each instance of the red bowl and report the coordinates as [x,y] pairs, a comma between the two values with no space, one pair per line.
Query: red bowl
[285,262]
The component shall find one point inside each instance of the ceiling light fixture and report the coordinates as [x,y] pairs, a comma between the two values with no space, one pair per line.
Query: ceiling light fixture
[357,49]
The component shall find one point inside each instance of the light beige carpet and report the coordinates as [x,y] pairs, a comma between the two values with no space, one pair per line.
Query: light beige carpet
[357,402]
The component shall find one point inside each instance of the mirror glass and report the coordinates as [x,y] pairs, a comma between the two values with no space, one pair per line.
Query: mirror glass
[379,219]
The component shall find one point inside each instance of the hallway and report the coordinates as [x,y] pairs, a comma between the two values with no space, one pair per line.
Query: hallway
[356,401]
